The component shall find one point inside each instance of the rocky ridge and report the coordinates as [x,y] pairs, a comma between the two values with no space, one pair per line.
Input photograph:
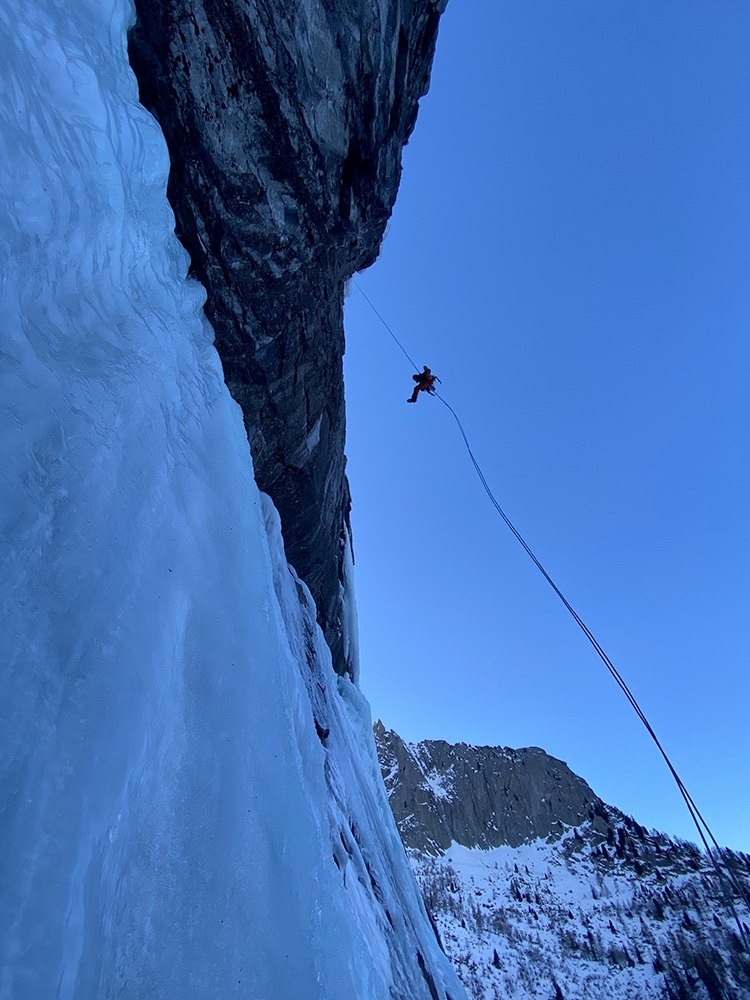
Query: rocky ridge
[569,898]
[285,122]
[480,796]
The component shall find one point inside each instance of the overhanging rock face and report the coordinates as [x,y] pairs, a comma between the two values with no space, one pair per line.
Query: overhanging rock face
[285,123]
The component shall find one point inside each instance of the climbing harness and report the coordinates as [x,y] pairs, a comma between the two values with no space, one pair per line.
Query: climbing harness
[700,823]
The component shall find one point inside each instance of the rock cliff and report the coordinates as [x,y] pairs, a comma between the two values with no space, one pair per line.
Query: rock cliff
[285,123]
[480,796]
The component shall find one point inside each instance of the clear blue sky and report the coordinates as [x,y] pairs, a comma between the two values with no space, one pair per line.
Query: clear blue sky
[570,252]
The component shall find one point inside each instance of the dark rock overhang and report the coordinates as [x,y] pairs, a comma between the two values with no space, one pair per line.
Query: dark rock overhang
[285,124]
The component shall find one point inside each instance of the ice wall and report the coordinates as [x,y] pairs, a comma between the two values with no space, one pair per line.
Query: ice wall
[190,806]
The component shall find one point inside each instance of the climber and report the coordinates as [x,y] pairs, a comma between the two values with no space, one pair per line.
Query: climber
[425,383]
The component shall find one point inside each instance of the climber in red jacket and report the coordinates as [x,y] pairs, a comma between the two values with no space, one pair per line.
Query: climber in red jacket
[425,383]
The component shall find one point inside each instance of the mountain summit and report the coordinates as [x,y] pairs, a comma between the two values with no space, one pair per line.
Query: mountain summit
[480,796]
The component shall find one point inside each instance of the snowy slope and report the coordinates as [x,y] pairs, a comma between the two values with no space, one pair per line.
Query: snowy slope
[595,907]
[190,801]
[554,919]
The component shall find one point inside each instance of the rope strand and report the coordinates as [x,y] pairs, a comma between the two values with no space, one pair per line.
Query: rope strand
[370,303]
[695,814]
[722,873]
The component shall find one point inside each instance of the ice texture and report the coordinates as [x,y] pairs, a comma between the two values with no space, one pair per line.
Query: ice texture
[190,802]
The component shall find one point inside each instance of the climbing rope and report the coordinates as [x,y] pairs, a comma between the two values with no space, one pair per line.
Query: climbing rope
[695,814]
[372,306]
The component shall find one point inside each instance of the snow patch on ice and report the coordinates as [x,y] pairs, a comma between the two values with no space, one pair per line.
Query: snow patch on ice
[437,782]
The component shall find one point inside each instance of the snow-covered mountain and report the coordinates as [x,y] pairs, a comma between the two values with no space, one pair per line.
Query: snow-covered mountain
[191,806]
[538,889]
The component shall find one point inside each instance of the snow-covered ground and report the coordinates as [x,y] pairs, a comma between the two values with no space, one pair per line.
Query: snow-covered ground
[560,919]
[190,800]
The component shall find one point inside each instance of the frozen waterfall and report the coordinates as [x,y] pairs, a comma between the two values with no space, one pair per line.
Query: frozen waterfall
[172,822]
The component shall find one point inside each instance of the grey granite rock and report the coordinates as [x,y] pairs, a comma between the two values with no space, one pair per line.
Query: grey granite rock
[481,796]
[285,122]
